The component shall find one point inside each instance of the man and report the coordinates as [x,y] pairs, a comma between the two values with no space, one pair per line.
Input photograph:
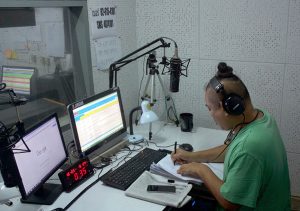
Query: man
[256,173]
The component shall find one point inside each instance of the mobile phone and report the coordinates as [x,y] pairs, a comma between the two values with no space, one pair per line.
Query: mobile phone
[161,188]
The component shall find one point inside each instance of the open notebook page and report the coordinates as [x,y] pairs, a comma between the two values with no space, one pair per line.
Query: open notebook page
[166,166]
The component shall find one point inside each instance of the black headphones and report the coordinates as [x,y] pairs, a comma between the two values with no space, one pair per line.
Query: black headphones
[232,103]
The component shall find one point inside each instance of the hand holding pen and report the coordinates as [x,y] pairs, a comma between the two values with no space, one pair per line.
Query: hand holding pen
[180,156]
[175,147]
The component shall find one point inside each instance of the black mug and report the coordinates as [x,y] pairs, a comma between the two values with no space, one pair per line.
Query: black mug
[186,122]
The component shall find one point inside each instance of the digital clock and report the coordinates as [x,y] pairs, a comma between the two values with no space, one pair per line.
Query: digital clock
[76,174]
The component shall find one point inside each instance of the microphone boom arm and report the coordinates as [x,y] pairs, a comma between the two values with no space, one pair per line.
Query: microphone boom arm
[116,66]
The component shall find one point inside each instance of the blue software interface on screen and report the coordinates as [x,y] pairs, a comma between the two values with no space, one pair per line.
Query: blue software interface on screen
[97,120]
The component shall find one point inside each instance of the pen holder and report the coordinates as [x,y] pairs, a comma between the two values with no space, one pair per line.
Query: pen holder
[186,122]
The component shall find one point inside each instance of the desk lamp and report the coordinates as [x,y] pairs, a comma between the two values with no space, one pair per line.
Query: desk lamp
[147,116]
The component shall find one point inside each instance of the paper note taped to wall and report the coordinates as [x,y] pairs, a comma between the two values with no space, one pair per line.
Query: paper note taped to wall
[108,50]
[103,21]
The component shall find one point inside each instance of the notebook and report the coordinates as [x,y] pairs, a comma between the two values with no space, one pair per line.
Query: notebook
[165,167]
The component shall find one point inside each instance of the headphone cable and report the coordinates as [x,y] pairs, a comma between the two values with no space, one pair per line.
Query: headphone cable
[231,135]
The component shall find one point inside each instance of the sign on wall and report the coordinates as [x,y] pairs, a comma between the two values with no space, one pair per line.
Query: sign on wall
[108,50]
[103,21]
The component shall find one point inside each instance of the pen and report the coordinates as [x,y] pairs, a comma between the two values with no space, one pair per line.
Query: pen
[175,146]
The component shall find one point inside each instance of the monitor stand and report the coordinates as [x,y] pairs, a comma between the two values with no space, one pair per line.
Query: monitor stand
[95,158]
[47,194]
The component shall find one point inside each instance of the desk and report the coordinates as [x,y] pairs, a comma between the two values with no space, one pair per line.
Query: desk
[101,197]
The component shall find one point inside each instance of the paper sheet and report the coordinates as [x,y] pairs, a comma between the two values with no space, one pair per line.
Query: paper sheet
[166,167]
[108,50]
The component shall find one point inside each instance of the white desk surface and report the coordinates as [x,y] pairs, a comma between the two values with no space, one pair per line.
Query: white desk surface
[101,197]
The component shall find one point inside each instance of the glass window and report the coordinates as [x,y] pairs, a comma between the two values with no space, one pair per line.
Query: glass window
[45,58]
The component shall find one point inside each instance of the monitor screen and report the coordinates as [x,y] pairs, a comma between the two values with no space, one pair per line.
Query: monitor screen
[47,154]
[18,79]
[98,123]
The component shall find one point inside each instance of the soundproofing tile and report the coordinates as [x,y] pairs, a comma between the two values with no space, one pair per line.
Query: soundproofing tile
[175,19]
[293,36]
[290,116]
[265,84]
[243,30]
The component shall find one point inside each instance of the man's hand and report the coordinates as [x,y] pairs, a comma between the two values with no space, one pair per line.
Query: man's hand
[181,156]
[193,169]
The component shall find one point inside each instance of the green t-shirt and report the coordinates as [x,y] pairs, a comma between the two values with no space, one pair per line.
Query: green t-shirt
[256,172]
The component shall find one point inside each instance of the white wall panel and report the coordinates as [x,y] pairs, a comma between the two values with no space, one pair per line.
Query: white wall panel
[265,84]
[293,36]
[290,117]
[243,30]
[175,19]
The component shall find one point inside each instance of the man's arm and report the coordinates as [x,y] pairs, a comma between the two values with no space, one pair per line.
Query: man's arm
[213,155]
[213,183]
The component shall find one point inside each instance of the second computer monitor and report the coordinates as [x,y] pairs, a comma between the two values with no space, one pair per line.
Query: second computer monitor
[47,154]
[18,79]
[98,123]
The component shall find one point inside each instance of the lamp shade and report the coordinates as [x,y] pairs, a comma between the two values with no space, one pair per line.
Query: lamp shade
[148,115]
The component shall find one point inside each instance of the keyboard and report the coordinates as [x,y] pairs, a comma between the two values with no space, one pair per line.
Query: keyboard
[127,173]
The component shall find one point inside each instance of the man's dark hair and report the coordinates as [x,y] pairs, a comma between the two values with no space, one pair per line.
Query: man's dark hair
[225,73]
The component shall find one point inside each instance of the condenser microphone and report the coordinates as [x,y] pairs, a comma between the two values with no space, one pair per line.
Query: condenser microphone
[175,71]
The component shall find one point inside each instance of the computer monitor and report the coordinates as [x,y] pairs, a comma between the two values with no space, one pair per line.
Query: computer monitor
[98,124]
[46,156]
[19,79]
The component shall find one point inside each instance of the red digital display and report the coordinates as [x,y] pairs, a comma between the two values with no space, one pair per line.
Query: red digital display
[75,174]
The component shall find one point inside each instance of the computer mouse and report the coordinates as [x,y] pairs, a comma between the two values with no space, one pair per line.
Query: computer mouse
[186,147]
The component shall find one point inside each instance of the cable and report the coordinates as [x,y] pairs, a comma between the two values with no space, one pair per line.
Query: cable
[140,87]
[97,180]
[2,86]
[72,150]
[161,146]
[81,193]
[100,173]
[175,121]
[231,135]
[122,159]
[171,40]
[174,111]
[12,139]
[103,163]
